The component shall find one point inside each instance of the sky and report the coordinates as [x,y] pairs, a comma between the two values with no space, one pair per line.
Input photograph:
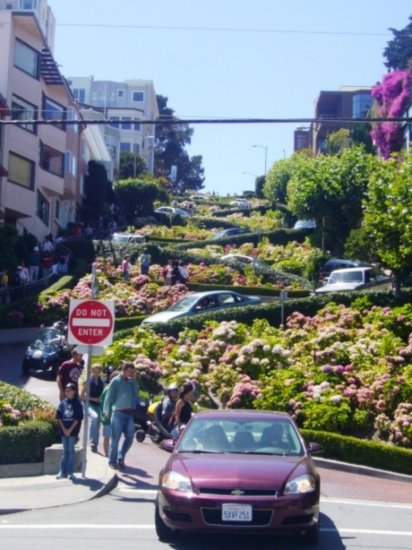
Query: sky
[231,59]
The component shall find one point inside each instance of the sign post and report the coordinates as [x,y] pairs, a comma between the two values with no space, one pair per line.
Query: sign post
[91,323]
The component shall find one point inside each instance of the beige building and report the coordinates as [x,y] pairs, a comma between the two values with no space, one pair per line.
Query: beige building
[127,104]
[41,154]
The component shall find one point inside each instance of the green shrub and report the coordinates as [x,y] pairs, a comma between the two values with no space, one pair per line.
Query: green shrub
[374,454]
[26,443]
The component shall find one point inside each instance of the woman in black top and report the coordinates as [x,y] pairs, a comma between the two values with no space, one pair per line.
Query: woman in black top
[183,410]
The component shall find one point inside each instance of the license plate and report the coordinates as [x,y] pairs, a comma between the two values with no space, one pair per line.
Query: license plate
[236,512]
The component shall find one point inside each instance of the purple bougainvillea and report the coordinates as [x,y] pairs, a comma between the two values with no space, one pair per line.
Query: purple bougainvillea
[392,96]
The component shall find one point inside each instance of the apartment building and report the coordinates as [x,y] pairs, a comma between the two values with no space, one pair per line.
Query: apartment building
[348,102]
[41,149]
[127,104]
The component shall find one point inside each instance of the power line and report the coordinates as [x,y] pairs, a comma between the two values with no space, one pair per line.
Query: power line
[220,29]
[161,121]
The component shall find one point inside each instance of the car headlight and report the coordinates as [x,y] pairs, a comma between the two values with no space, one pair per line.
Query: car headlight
[300,485]
[176,482]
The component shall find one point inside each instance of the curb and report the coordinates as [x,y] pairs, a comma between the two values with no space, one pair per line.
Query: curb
[359,469]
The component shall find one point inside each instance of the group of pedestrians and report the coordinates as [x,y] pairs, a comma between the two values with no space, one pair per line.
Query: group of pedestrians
[111,404]
[175,272]
[177,408]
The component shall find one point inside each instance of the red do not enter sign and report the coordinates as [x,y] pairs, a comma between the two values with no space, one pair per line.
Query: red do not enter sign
[91,322]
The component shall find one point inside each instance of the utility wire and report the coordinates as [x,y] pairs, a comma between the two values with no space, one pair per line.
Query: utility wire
[171,120]
[220,29]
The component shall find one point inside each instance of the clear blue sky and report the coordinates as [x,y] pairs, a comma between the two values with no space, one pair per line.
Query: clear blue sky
[231,59]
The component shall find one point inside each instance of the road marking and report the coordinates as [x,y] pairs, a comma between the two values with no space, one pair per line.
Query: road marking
[369,503]
[135,527]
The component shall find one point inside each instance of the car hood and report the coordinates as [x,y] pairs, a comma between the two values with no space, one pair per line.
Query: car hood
[233,471]
[338,287]
[162,317]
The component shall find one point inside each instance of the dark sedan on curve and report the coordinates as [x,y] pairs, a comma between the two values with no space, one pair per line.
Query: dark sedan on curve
[237,471]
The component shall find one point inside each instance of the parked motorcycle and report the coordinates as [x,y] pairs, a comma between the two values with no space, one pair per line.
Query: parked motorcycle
[157,431]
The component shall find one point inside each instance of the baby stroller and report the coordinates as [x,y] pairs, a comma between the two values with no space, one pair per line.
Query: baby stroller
[157,431]
[141,420]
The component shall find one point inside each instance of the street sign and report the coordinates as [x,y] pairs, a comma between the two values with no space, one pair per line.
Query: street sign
[91,322]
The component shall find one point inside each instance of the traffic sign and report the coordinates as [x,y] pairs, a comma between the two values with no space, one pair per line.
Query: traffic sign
[91,322]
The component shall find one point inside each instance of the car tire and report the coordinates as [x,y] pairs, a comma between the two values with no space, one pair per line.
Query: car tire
[25,367]
[140,435]
[311,536]
[163,532]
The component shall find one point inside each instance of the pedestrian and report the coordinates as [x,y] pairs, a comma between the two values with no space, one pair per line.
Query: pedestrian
[46,263]
[121,401]
[167,272]
[69,414]
[48,245]
[34,264]
[96,387]
[168,406]
[183,410]
[183,272]
[111,372]
[24,276]
[175,273]
[125,268]
[69,372]
[4,287]
[145,260]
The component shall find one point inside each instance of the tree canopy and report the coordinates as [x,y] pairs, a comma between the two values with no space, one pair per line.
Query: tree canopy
[388,215]
[398,52]
[131,166]
[171,140]
[135,197]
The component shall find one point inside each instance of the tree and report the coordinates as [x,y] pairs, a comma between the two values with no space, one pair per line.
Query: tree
[330,189]
[398,52]
[388,216]
[136,197]
[259,184]
[171,140]
[276,181]
[337,141]
[98,193]
[131,166]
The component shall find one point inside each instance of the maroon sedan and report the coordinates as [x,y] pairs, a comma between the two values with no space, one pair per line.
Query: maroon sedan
[239,471]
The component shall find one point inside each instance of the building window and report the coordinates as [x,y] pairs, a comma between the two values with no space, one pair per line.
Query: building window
[79,94]
[138,96]
[120,93]
[136,148]
[126,124]
[26,58]
[361,104]
[22,110]
[21,170]
[114,121]
[125,147]
[137,126]
[43,208]
[28,5]
[51,160]
[71,114]
[53,111]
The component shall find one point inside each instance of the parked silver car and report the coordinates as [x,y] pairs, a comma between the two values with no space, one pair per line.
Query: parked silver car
[354,278]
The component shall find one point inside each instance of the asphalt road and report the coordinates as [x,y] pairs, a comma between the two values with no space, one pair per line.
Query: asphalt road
[123,520]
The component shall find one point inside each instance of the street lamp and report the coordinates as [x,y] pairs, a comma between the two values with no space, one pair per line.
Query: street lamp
[265,148]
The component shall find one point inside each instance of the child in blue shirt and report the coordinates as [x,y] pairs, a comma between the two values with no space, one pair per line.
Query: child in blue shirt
[70,415]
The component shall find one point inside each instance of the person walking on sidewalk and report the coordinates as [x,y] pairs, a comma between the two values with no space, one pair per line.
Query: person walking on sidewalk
[96,387]
[69,415]
[121,399]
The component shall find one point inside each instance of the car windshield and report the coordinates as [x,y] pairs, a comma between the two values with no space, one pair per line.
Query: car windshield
[120,238]
[221,435]
[184,304]
[346,277]
[46,337]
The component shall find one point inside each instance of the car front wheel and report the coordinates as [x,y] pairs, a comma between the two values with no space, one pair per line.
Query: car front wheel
[163,532]
[311,536]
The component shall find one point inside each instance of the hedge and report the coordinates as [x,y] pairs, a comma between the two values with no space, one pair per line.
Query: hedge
[26,443]
[374,454]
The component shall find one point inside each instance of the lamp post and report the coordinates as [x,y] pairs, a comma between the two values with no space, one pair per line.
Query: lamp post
[265,148]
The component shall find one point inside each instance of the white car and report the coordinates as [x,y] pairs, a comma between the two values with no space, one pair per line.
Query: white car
[127,238]
[354,278]
[305,224]
[171,211]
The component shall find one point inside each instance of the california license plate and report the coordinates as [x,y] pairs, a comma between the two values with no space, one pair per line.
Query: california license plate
[236,512]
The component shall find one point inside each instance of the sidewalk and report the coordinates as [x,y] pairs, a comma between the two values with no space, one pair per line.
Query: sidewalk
[36,492]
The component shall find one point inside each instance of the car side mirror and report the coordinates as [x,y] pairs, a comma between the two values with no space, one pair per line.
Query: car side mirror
[315,448]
